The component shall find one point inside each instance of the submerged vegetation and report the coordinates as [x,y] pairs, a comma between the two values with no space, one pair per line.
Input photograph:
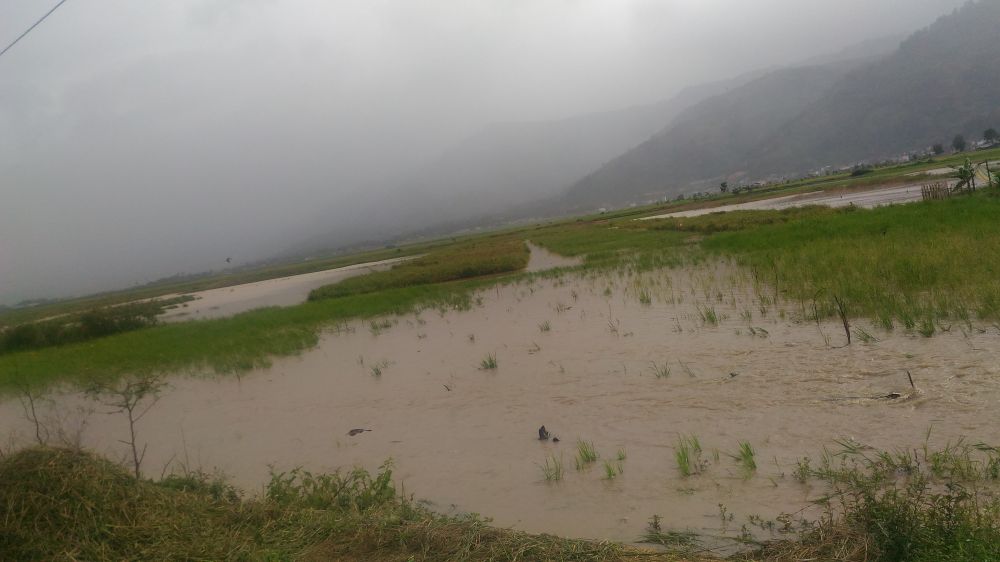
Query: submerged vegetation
[898,506]
[909,266]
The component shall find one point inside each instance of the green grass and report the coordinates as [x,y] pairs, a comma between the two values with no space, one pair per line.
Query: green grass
[899,506]
[747,459]
[613,469]
[661,371]
[225,345]
[552,470]
[586,454]
[903,265]
[87,325]
[479,258]
[687,453]
[489,363]
[69,505]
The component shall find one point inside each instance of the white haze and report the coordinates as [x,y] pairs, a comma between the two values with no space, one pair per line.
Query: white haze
[142,139]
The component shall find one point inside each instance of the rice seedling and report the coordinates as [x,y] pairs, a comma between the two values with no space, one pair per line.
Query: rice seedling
[686,368]
[687,453]
[661,371]
[377,369]
[645,298]
[586,454]
[746,459]
[708,315]
[864,336]
[489,363]
[675,541]
[621,454]
[376,327]
[613,470]
[545,327]
[926,328]
[552,470]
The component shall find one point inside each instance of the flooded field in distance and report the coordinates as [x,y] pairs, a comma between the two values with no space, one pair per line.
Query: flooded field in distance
[281,291]
[629,362]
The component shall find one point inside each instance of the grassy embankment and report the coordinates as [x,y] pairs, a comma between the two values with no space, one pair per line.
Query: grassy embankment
[251,339]
[69,505]
[905,506]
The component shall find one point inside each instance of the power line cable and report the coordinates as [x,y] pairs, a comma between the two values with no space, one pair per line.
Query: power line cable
[33,26]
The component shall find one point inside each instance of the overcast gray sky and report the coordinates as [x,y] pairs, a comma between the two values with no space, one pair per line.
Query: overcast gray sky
[142,139]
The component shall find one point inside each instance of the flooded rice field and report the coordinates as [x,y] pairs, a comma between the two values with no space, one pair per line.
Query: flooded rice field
[629,362]
[282,291]
[866,199]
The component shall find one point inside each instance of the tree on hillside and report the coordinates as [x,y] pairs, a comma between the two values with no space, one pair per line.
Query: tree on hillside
[959,143]
[724,186]
[991,135]
[938,148]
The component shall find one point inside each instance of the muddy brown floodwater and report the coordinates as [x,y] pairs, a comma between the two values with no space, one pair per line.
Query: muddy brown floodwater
[465,439]
[281,291]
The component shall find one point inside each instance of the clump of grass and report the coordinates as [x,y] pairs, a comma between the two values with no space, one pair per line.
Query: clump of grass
[661,371]
[687,453]
[613,469]
[746,458]
[552,470]
[545,326]
[675,541]
[864,336]
[489,363]
[621,454]
[645,298]
[376,327]
[586,454]
[708,315]
[377,369]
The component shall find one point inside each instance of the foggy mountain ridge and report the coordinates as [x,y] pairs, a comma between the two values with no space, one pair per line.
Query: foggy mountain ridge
[940,82]
[518,170]
[491,174]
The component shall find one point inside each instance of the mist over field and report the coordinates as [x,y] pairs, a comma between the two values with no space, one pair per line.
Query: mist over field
[140,140]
